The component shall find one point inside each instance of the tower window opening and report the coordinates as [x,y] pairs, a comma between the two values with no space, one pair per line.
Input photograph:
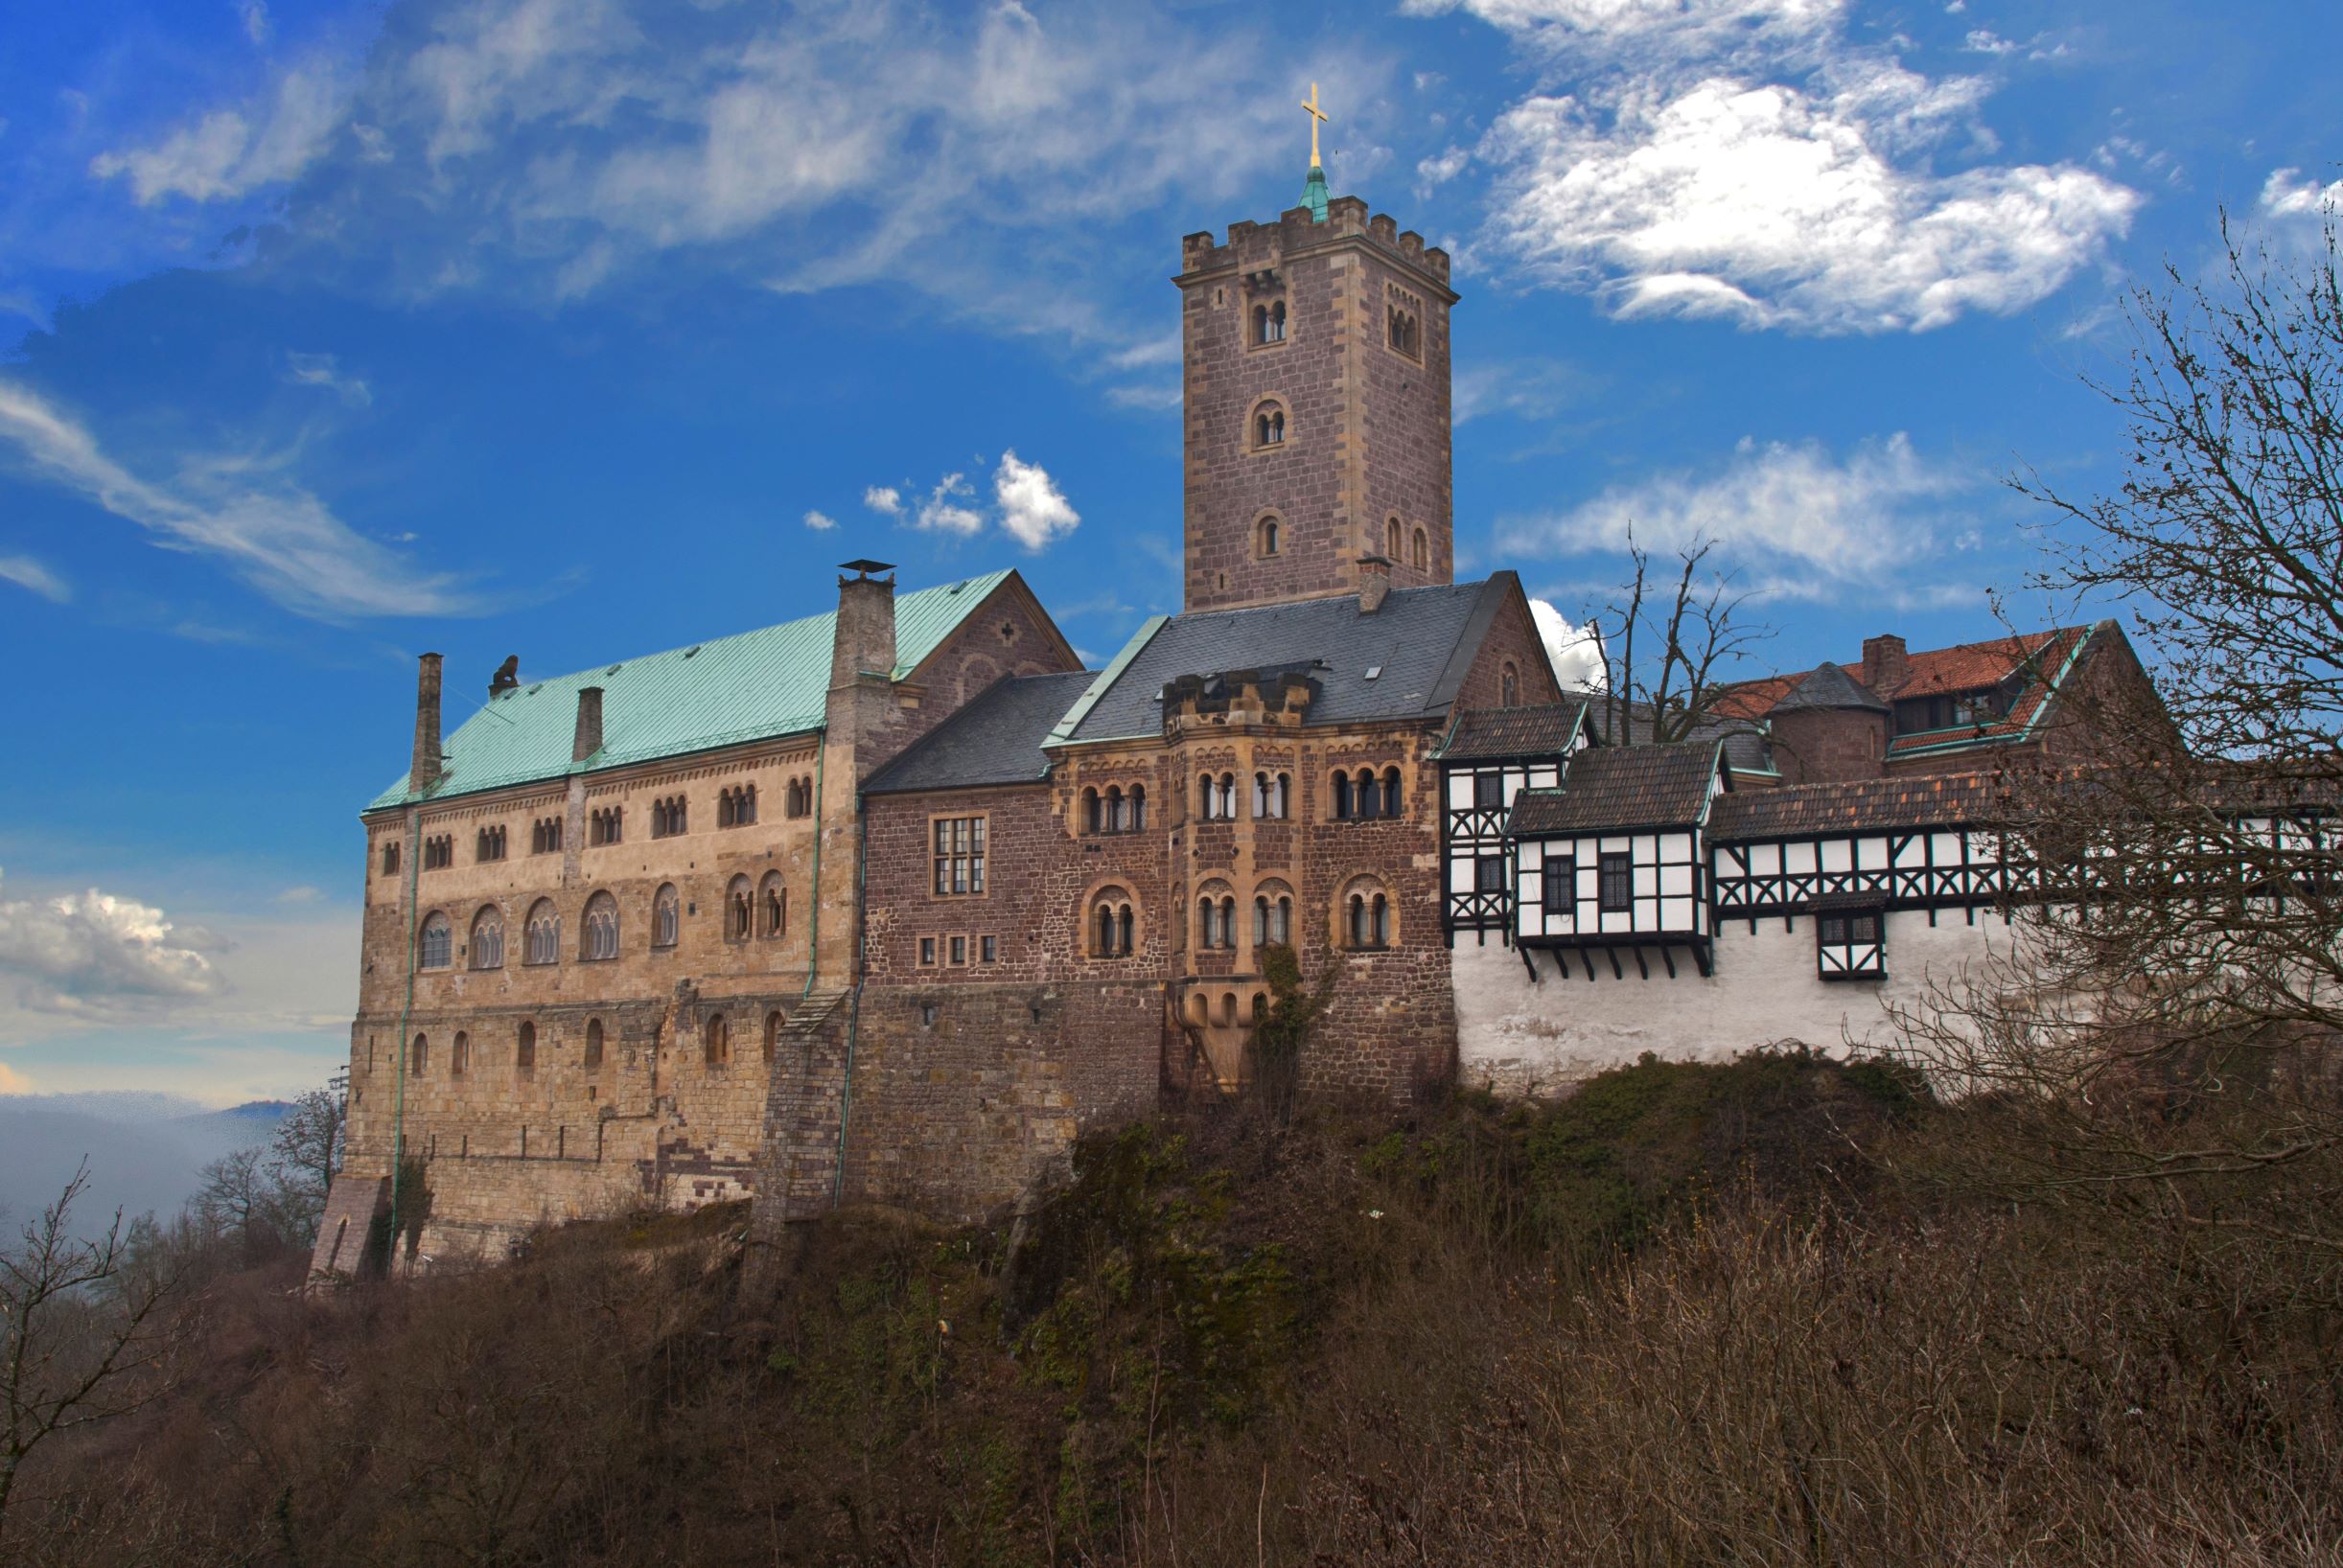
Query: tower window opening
[1269,322]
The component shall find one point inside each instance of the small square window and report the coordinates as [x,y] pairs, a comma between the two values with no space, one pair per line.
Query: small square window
[927,951]
[929,1012]
[1489,874]
[1488,791]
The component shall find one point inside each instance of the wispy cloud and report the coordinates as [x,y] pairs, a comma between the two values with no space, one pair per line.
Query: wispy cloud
[245,514]
[820,522]
[28,573]
[2288,193]
[324,371]
[230,152]
[1791,520]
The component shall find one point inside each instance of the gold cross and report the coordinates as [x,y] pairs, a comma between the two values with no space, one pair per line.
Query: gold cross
[1315,116]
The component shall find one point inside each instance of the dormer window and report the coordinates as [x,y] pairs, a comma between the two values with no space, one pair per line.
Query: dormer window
[1268,426]
[1951,710]
[1269,322]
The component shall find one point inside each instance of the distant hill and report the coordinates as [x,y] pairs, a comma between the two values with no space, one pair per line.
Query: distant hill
[145,1149]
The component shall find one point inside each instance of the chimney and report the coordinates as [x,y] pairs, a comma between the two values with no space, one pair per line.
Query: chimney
[588,739]
[865,635]
[1374,582]
[423,769]
[1883,665]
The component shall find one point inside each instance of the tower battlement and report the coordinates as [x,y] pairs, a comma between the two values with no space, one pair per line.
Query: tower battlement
[1297,230]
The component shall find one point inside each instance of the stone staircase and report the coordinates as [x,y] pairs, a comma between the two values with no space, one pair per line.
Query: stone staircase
[799,1176]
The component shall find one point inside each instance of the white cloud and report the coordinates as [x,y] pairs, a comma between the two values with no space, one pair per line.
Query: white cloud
[1155,398]
[943,512]
[254,14]
[95,957]
[324,370]
[1577,34]
[2287,194]
[1791,521]
[265,528]
[229,152]
[1572,650]
[28,573]
[884,498]
[1033,510]
[820,522]
[1774,207]
[1532,389]
[1984,40]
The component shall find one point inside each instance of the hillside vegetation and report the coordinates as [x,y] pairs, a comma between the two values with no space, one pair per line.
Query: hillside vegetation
[1743,1313]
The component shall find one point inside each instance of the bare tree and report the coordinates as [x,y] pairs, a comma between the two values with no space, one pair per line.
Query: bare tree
[1665,647]
[305,1153]
[2168,1010]
[80,1340]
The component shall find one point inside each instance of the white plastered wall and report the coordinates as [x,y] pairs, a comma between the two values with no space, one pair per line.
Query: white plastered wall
[1519,1038]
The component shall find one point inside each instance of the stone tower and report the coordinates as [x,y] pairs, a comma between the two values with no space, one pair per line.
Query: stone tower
[1315,360]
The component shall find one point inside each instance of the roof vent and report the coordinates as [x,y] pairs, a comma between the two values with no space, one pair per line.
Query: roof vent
[693,649]
[534,691]
[613,670]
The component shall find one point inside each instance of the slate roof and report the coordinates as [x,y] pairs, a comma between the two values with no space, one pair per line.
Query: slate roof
[1746,746]
[1830,688]
[746,687]
[1421,641]
[1512,732]
[995,738]
[1612,789]
[1858,805]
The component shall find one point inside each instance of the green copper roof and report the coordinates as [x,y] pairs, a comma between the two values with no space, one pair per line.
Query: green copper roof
[748,687]
[1313,194]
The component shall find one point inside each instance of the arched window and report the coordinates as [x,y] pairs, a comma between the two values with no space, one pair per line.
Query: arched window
[1272,794]
[1366,915]
[1424,551]
[419,1057]
[1118,818]
[544,933]
[593,1043]
[459,1058]
[1268,426]
[667,916]
[739,915]
[1094,815]
[488,939]
[1216,917]
[1391,792]
[1509,687]
[715,1041]
[524,1049]
[1111,923]
[1269,542]
[438,943]
[1269,322]
[1135,805]
[1344,806]
[1391,540]
[1273,913]
[1365,799]
[601,928]
[773,905]
[772,1033]
[1228,798]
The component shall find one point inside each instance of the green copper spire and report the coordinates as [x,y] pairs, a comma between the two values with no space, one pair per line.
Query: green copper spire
[1313,189]
[1313,195]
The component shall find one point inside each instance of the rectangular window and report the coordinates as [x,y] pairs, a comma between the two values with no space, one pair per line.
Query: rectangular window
[959,951]
[1850,944]
[1847,930]
[1489,874]
[1488,791]
[1616,883]
[927,951]
[1560,883]
[989,950]
[959,856]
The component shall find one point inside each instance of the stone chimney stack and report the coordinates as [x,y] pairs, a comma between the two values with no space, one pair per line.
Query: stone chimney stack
[1884,667]
[424,769]
[864,637]
[588,739]
[1374,582]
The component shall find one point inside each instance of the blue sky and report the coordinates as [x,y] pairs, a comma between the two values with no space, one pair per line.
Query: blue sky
[578,328]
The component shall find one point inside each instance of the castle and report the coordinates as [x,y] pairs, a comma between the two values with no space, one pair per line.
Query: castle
[889,905]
